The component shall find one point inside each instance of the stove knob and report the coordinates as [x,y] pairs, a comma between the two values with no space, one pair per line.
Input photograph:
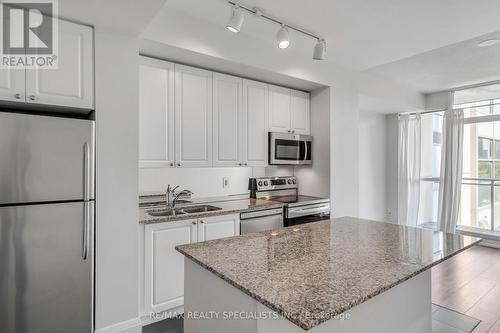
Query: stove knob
[260,183]
[266,183]
[295,181]
[289,181]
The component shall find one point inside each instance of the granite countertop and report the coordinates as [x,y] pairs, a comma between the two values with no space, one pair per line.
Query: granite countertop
[228,207]
[324,268]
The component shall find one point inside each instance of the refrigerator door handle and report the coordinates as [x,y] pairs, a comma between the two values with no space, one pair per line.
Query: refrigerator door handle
[86,172]
[86,224]
[86,198]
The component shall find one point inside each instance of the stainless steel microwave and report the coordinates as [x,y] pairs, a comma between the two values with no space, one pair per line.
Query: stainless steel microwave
[287,148]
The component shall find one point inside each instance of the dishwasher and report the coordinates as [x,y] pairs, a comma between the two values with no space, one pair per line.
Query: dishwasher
[261,220]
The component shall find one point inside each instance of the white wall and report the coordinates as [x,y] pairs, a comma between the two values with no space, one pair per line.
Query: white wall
[372,166]
[315,179]
[116,85]
[344,158]
[391,174]
[204,182]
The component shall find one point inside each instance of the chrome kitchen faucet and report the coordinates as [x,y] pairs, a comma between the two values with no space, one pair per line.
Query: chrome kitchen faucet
[171,197]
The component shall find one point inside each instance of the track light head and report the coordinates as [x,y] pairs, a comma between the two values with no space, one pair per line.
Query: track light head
[236,20]
[319,50]
[283,38]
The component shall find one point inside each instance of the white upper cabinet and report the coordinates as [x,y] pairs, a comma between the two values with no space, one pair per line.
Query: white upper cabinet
[300,112]
[193,117]
[156,113]
[227,120]
[255,123]
[72,84]
[218,227]
[12,85]
[190,117]
[279,109]
[289,111]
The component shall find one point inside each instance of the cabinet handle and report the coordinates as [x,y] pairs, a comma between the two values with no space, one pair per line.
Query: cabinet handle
[194,222]
[245,164]
[18,96]
[33,97]
[172,164]
[293,131]
[178,164]
[201,221]
[289,131]
[241,164]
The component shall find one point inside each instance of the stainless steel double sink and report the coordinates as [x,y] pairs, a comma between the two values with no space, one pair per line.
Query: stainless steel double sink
[183,210]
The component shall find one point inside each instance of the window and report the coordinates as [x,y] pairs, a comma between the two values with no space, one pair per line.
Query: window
[431,138]
[480,199]
[480,202]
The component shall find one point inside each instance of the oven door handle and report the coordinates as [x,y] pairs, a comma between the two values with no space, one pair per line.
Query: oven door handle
[308,211]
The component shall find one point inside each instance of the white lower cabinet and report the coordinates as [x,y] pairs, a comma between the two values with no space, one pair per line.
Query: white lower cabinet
[218,227]
[164,266]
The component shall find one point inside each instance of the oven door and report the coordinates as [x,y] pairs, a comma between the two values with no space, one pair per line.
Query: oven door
[307,214]
[290,149]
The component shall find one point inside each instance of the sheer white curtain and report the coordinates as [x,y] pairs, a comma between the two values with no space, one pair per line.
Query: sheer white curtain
[409,151]
[451,170]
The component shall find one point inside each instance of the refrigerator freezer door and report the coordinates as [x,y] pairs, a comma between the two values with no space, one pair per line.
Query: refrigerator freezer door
[43,158]
[45,285]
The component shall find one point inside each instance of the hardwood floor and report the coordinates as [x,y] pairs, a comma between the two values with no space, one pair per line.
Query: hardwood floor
[469,283]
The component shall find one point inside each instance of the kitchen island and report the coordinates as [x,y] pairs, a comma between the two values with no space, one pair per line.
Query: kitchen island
[340,275]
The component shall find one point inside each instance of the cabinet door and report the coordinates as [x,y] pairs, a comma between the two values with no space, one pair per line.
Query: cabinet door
[279,109]
[255,123]
[156,113]
[12,85]
[227,120]
[300,112]
[193,117]
[72,84]
[164,266]
[218,227]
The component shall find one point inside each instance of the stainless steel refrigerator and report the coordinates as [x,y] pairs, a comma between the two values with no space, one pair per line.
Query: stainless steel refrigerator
[46,224]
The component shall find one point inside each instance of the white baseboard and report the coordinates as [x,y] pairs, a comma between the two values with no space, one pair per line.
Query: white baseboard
[127,326]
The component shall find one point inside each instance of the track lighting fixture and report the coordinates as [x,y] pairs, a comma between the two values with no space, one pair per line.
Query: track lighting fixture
[236,20]
[283,35]
[319,50]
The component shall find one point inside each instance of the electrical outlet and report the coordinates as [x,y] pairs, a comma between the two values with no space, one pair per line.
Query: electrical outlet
[389,215]
[225,182]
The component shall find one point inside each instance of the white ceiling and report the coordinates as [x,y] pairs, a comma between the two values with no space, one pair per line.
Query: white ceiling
[477,94]
[128,17]
[362,34]
[445,68]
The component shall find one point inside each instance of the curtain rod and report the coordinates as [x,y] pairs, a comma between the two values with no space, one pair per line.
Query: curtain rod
[443,110]
[415,113]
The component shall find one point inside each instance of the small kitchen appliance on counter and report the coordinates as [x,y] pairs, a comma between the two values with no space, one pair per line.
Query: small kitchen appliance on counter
[298,209]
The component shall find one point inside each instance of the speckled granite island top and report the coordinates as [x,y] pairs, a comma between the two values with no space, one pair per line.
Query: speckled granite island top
[227,207]
[324,267]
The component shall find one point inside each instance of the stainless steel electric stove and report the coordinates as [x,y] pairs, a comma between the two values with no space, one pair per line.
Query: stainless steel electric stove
[299,209]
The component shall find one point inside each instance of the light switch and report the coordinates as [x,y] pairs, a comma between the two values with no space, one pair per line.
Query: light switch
[225,182]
